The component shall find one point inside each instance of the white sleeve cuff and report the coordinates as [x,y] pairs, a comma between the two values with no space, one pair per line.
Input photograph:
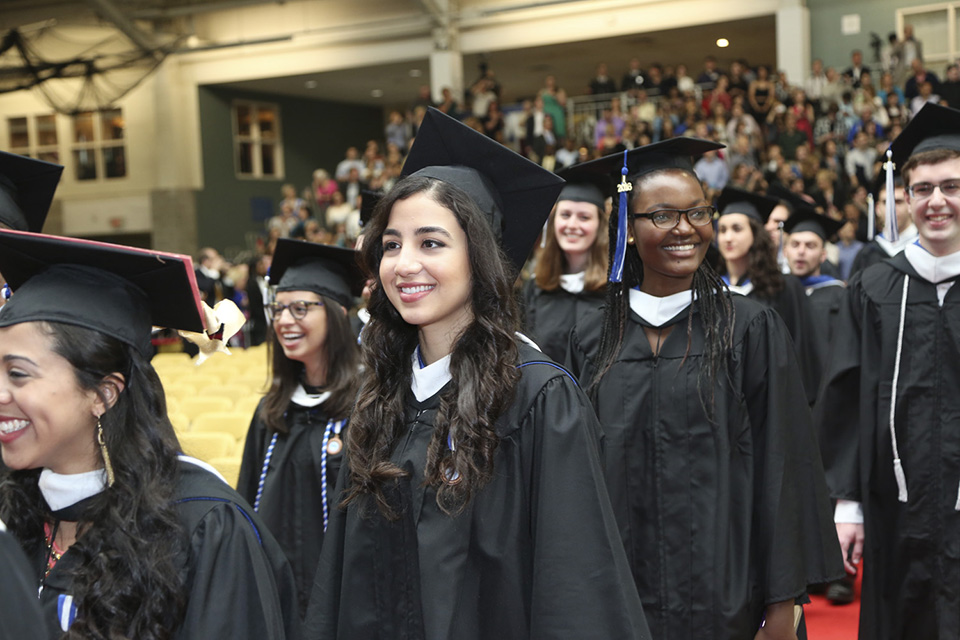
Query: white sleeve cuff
[848,512]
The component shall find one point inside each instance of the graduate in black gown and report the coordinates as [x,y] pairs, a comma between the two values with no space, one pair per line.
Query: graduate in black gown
[890,413]
[20,617]
[126,537]
[807,234]
[570,278]
[473,502]
[750,268]
[295,443]
[711,460]
[883,245]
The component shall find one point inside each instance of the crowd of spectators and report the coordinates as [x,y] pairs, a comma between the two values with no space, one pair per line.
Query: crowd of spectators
[825,138]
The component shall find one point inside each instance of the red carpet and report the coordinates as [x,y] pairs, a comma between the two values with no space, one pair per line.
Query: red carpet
[827,621]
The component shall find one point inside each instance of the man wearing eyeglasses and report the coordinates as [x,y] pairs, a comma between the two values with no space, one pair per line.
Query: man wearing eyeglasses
[890,410]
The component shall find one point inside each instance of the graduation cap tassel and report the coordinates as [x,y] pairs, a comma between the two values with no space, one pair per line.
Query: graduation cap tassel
[871,216]
[892,229]
[543,236]
[620,252]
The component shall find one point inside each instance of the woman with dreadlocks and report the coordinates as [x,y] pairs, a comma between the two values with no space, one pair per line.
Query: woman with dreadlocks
[711,462]
[472,497]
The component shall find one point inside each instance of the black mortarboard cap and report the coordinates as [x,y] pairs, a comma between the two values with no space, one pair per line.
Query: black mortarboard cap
[585,186]
[807,220]
[119,291]
[794,201]
[307,266]
[26,191]
[368,201]
[934,127]
[673,153]
[752,205]
[515,193]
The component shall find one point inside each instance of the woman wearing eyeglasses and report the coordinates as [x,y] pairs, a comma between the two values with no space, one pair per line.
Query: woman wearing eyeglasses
[710,457]
[295,444]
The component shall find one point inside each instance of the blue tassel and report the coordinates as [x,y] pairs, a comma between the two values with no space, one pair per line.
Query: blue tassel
[892,226]
[620,252]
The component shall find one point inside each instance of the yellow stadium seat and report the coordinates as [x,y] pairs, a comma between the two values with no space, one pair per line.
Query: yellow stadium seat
[232,422]
[248,405]
[165,358]
[195,406]
[178,390]
[232,392]
[229,468]
[179,420]
[207,446]
[200,378]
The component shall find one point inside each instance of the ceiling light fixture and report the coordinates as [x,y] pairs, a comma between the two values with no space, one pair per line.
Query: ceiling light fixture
[377,93]
[723,42]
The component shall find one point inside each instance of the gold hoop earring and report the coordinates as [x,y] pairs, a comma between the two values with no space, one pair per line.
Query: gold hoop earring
[106,455]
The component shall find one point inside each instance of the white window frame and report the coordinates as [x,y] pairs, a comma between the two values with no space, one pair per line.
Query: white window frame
[256,140]
[34,148]
[96,147]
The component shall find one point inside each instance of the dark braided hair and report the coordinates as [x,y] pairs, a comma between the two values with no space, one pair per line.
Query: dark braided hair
[482,366]
[708,292]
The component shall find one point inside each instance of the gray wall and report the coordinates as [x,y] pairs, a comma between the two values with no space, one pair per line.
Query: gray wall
[828,42]
[315,135]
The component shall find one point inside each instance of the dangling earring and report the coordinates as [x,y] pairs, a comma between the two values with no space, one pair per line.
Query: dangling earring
[105,454]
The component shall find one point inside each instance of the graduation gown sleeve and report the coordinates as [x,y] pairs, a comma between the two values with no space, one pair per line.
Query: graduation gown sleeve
[838,411]
[239,582]
[251,463]
[20,617]
[794,308]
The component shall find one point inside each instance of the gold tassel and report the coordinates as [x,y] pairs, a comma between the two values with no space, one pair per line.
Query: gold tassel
[105,454]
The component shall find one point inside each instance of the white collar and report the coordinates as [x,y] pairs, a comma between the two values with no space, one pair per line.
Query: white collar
[203,465]
[3,527]
[427,381]
[930,267]
[893,248]
[658,311]
[61,491]
[364,315]
[742,289]
[304,399]
[572,282]
[207,271]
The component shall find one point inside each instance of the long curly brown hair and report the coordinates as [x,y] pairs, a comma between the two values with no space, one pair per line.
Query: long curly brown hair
[762,269]
[128,583]
[483,366]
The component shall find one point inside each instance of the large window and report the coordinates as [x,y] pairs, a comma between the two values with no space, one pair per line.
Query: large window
[936,27]
[257,150]
[34,136]
[98,145]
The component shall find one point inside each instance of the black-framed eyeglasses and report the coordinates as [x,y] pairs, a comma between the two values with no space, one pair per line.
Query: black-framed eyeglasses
[922,190]
[669,218]
[298,308]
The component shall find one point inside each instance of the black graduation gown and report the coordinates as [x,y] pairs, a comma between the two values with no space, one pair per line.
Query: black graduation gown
[871,253]
[550,315]
[20,617]
[792,305]
[291,505]
[825,301]
[911,567]
[718,518]
[239,583]
[535,554]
